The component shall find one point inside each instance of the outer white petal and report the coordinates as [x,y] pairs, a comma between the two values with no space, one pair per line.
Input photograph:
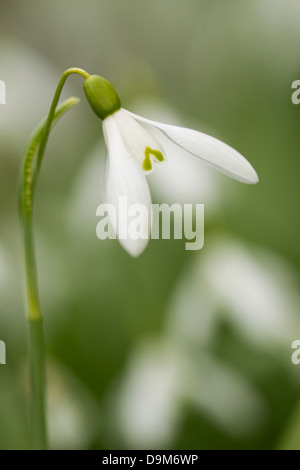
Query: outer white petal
[125,178]
[212,151]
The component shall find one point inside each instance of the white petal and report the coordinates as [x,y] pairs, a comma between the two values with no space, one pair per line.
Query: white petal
[124,178]
[212,151]
[137,139]
[147,407]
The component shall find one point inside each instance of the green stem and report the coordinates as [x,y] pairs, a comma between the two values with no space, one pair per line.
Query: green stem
[26,197]
[54,103]
[38,385]
[30,169]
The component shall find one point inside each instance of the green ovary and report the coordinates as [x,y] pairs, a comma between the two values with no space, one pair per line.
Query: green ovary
[147,163]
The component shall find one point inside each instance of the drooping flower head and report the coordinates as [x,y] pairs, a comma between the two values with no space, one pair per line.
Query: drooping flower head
[136,147]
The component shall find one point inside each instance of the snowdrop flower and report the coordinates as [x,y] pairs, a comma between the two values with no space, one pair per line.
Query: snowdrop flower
[135,149]
[251,289]
[163,376]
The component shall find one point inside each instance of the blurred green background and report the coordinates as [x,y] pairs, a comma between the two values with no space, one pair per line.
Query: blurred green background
[175,349]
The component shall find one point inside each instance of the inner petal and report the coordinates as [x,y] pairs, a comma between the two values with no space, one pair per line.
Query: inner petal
[139,142]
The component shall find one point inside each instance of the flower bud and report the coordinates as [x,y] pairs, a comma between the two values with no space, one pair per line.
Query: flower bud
[102,96]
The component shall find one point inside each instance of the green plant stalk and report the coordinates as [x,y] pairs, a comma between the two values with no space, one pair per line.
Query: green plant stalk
[37,354]
[38,386]
[30,169]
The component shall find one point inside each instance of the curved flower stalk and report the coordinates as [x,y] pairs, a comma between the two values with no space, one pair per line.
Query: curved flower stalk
[31,164]
[136,148]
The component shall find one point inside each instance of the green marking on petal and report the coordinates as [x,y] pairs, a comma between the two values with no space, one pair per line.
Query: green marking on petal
[147,163]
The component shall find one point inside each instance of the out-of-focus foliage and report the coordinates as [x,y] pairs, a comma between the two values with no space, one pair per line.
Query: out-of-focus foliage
[175,349]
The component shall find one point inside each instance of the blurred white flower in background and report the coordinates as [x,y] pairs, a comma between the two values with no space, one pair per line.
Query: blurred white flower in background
[256,293]
[162,377]
[282,14]
[254,289]
[30,82]
[146,409]
[74,416]
[223,394]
